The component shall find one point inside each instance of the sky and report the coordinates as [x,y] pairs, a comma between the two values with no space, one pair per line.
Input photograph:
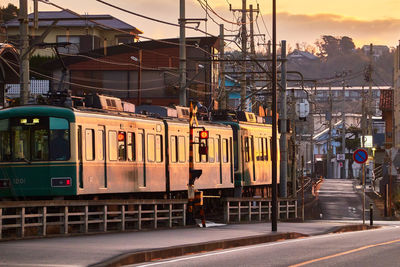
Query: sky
[303,22]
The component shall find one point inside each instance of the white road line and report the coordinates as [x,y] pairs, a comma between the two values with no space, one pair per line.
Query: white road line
[37,264]
[184,258]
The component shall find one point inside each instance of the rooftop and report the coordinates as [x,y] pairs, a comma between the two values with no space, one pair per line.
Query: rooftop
[47,17]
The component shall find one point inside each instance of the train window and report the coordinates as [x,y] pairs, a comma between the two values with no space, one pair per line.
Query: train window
[89,142]
[40,145]
[59,139]
[181,149]
[225,151]
[112,145]
[265,149]
[131,147]
[5,141]
[140,147]
[270,145]
[150,148]
[211,150]
[246,149]
[159,148]
[121,146]
[260,149]
[218,149]
[173,149]
[100,144]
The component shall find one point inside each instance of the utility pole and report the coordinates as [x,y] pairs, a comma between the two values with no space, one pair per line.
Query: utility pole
[343,169]
[182,54]
[244,56]
[370,91]
[329,143]
[253,53]
[274,200]
[283,116]
[24,55]
[223,97]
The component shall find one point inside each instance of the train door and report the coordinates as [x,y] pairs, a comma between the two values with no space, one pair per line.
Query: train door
[101,155]
[218,158]
[141,160]
[253,160]
[80,160]
[248,170]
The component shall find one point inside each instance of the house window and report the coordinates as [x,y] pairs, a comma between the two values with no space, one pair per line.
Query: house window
[73,48]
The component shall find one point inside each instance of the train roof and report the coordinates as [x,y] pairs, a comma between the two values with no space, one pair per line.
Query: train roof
[39,110]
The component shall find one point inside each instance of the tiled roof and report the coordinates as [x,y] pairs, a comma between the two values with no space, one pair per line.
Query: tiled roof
[386,100]
[108,20]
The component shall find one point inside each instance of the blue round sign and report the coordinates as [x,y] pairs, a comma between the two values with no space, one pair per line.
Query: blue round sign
[360,156]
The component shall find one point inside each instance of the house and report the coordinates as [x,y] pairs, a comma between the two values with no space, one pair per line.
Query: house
[82,32]
[377,50]
[301,56]
[145,72]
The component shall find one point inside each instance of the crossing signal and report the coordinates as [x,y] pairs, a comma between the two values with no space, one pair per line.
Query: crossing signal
[203,135]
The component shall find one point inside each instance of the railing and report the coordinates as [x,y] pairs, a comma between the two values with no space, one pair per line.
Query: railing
[46,218]
[257,209]
[36,87]
[377,175]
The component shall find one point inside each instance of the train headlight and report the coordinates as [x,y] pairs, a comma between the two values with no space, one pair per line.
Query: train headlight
[61,182]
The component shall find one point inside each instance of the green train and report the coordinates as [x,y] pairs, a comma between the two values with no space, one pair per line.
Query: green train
[52,152]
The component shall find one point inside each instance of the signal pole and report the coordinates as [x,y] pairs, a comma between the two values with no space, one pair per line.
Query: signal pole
[283,139]
[343,169]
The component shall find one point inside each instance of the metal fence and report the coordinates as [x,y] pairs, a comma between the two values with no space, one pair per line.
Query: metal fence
[36,87]
[46,218]
[257,209]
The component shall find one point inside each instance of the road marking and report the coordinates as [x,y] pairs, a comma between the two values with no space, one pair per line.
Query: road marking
[207,254]
[345,253]
[37,264]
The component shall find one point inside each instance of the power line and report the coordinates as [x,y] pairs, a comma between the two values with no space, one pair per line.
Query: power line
[265,25]
[122,31]
[205,9]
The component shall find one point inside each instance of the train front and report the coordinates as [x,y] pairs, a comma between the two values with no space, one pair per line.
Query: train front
[35,152]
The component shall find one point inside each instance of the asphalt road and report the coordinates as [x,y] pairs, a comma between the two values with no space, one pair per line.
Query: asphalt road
[339,200]
[378,247]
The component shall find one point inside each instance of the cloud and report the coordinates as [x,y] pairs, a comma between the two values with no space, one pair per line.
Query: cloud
[308,28]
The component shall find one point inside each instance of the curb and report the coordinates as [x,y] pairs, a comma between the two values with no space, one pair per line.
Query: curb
[145,256]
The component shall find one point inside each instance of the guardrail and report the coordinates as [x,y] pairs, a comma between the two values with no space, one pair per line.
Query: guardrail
[257,209]
[48,218]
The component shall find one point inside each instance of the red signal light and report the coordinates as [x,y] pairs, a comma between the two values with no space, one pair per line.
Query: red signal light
[68,182]
[203,134]
[121,136]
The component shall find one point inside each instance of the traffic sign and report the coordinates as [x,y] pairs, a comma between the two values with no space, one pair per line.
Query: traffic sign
[360,156]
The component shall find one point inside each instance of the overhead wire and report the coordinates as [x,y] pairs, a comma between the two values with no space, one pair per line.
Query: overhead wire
[123,31]
[205,9]
[109,89]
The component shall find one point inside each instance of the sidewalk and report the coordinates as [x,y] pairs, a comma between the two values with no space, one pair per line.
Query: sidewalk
[116,249]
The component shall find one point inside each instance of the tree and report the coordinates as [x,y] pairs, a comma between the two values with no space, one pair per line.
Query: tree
[8,13]
[346,45]
[329,46]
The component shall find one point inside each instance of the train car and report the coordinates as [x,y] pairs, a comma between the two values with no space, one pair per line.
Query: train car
[216,165]
[51,151]
[252,153]
[56,152]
